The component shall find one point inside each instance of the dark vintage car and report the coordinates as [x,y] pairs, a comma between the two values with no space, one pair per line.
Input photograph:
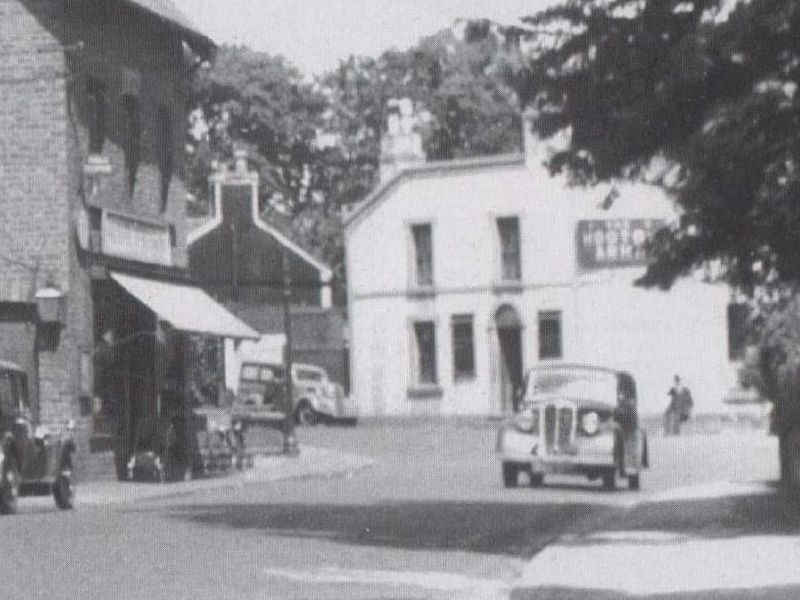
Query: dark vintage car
[34,461]
[575,419]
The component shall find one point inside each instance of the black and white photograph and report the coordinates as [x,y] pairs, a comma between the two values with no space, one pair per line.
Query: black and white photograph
[384,300]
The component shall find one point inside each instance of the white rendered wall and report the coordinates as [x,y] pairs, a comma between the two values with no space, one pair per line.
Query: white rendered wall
[605,319]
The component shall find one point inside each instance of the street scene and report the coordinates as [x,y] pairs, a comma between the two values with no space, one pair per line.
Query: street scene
[361,300]
[384,523]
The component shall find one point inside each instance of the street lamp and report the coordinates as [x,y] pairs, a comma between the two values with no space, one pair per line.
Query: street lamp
[290,445]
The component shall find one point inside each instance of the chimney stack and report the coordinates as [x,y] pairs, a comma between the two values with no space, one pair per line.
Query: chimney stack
[401,145]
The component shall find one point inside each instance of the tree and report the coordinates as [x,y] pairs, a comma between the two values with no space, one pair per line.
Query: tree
[706,92]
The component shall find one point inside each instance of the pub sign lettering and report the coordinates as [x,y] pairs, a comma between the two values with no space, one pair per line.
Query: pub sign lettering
[605,243]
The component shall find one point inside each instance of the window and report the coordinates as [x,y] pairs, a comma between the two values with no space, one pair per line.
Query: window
[96,101]
[423,254]
[166,152]
[508,229]
[737,330]
[425,338]
[463,347]
[550,334]
[308,375]
[132,138]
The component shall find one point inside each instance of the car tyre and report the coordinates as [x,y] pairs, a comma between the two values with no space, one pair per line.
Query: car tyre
[510,475]
[305,414]
[64,487]
[610,479]
[9,487]
[633,482]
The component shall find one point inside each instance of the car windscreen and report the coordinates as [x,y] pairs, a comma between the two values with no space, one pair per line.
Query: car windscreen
[578,383]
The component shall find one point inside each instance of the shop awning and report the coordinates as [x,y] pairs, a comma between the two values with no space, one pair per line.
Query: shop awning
[185,307]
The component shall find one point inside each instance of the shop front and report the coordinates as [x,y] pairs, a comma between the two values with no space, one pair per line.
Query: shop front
[143,384]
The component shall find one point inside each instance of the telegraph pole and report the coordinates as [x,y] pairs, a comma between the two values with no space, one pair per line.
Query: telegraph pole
[290,445]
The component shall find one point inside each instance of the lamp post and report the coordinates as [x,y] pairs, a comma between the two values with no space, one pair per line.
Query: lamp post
[290,446]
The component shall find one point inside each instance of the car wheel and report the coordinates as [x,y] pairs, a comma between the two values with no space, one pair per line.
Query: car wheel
[510,475]
[610,480]
[536,479]
[64,487]
[9,487]
[633,482]
[305,414]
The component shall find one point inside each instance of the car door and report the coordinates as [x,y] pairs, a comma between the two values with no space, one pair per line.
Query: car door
[34,449]
[629,422]
[17,420]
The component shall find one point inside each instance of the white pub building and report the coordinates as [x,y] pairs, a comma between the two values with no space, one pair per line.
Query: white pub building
[464,274]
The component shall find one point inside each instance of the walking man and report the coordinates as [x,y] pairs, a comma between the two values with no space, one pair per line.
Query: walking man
[679,409]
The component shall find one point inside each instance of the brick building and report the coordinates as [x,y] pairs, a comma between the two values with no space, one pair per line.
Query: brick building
[94,96]
[237,257]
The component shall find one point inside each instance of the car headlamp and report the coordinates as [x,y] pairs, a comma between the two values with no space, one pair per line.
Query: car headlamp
[590,423]
[527,421]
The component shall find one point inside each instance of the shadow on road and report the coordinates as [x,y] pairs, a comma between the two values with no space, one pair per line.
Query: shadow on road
[728,516]
[518,530]
[778,592]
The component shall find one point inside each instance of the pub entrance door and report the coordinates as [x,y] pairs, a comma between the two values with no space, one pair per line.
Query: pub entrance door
[509,337]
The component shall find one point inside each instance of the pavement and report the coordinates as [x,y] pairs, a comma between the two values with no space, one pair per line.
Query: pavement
[712,541]
[311,462]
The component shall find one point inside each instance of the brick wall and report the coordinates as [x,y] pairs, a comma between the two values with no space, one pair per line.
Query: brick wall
[44,73]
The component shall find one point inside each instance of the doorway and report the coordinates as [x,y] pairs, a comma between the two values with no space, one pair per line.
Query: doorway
[509,338]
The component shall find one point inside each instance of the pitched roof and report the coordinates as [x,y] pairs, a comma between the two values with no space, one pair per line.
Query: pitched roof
[431,169]
[166,10]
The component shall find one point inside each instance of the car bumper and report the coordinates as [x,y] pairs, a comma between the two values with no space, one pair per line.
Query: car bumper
[519,448]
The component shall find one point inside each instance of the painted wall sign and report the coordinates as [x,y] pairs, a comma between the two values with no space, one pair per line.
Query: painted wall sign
[131,238]
[615,242]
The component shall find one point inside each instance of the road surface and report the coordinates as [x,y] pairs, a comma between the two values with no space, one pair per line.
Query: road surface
[429,520]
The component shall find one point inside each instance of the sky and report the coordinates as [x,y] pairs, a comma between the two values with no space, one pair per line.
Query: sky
[315,34]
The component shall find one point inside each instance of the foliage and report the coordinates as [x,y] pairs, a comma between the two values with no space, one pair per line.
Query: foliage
[316,144]
[704,89]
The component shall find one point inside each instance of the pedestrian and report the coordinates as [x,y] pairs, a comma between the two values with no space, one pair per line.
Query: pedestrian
[679,409]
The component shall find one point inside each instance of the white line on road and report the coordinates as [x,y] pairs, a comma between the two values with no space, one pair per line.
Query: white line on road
[432,580]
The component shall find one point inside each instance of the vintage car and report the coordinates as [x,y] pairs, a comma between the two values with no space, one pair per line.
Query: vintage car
[316,397]
[575,419]
[34,460]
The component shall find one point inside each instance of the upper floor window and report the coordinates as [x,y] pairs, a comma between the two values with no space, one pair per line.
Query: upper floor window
[463,347]
[131,138]
[96,101]
[550,334]
[510,264]
[423,254]
[425,340]
[166,152]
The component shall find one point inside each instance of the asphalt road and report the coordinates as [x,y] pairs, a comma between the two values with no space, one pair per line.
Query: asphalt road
[429,520]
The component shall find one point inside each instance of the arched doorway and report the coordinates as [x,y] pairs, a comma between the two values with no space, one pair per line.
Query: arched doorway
[509,338]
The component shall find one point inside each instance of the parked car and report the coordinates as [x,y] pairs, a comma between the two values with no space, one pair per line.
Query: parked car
[34,460]
[316,398]
[575,419]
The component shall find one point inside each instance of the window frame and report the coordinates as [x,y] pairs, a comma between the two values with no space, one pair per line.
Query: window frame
[418,280]
[132,140]
[510,262]
[550,316]
[420,370]
[463,345]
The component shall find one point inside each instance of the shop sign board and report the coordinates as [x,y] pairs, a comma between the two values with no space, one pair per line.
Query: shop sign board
[135,239]
[607,243]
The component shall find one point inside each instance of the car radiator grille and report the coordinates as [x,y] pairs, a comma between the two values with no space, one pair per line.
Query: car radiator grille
[558,426]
